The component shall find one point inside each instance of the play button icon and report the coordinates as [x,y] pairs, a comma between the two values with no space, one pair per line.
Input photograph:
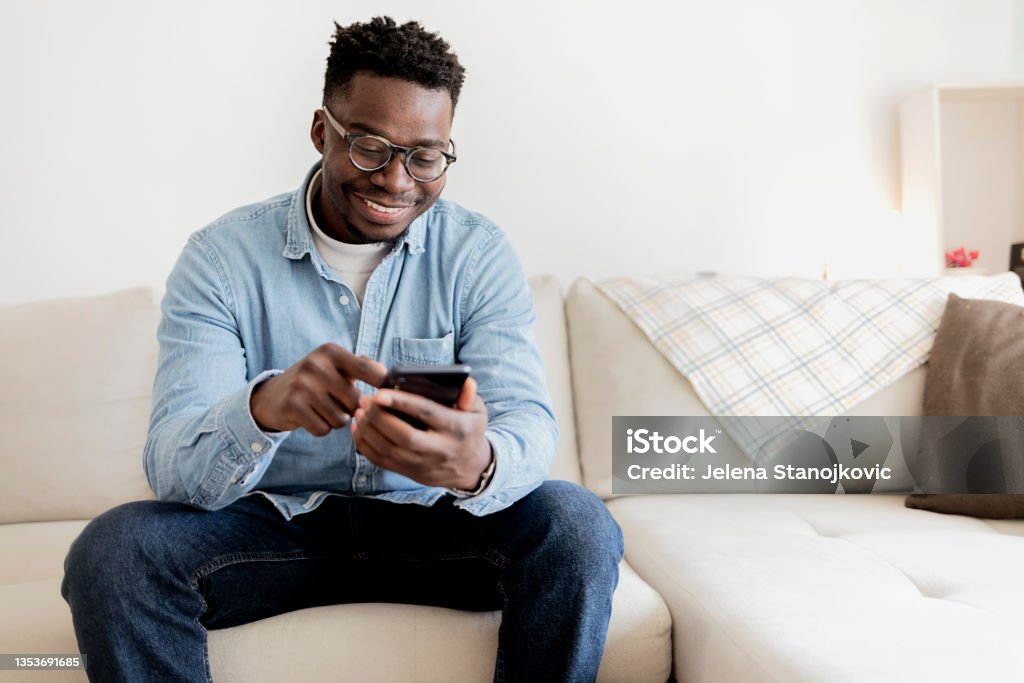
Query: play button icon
[858,447]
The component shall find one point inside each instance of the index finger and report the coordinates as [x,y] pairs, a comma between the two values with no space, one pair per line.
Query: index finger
[356,367]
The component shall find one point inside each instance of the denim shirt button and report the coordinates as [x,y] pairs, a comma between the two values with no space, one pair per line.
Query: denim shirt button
[343,300]
[256,447]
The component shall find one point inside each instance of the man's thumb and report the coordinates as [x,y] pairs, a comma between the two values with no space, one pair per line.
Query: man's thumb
[467,395]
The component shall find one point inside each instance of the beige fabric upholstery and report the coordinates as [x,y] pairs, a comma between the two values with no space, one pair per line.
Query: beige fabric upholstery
[554,348]
[77,376]
[35,550]
[36,618]
[829,588]
[37,621]
[617,371]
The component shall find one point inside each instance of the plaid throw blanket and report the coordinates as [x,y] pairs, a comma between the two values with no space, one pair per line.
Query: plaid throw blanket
[794,347]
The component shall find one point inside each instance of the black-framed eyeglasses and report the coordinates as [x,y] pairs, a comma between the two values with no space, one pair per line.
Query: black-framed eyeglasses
[372,153]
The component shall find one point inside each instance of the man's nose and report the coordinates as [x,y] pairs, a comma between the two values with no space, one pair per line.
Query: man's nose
[393,178]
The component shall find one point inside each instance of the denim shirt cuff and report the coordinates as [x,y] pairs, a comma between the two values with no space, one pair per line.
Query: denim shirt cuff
[482,503]
[250,442]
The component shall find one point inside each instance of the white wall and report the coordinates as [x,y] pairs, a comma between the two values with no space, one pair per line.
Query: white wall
[643,137]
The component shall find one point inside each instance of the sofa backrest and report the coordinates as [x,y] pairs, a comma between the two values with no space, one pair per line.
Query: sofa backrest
[552,338]
[76,379]
[617,371]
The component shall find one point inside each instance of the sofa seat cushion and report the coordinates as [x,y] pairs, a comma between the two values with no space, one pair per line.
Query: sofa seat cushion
[35,550]
[358,642]
[36,618]
[829,588]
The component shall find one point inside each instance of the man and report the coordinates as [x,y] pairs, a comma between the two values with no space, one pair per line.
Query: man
[277,464]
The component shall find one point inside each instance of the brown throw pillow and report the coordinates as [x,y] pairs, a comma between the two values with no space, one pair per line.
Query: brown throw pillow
[988,505]
[976,367]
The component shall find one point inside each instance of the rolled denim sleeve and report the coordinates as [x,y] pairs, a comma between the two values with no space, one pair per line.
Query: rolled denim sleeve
[203,447]
[497,341]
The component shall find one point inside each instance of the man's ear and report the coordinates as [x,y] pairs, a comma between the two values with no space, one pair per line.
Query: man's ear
[316,131]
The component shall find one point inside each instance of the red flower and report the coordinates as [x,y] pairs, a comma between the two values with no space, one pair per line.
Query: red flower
[960,258]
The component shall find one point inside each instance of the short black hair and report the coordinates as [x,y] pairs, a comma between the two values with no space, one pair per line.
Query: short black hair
[382,47]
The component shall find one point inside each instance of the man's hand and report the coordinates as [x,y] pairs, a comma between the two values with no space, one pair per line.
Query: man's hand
[452,451]
[316,393]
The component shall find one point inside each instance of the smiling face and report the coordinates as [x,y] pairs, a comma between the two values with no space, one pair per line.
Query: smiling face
[361,207]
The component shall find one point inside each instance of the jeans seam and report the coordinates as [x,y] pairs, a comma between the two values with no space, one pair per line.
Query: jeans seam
[204,570]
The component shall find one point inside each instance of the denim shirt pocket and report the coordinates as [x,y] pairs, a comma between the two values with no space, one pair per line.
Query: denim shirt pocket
[419,351]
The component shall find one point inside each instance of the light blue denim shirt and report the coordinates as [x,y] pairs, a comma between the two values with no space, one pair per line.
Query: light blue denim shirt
[250,296]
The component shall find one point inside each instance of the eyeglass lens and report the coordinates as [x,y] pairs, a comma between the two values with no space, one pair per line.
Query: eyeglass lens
[370,154]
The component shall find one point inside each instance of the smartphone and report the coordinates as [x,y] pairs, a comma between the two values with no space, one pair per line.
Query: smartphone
[440,383]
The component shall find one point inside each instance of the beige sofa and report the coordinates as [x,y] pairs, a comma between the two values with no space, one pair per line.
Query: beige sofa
[713,587]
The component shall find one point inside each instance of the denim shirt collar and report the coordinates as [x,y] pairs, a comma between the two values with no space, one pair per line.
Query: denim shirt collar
[299,240]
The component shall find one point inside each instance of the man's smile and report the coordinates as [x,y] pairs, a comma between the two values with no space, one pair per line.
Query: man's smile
[381,211]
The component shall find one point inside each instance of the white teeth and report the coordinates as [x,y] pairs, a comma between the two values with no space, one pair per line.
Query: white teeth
[383,209]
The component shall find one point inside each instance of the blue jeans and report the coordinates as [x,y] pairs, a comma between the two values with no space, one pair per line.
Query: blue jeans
[147,579]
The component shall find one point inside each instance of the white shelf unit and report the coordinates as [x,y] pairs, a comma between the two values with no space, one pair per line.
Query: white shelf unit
[962,159]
